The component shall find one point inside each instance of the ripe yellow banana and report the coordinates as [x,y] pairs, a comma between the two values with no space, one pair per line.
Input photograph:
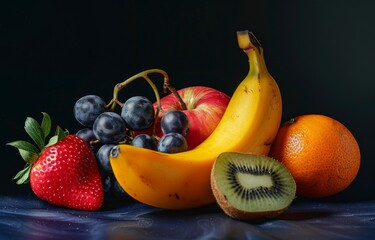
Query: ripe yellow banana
[182,180]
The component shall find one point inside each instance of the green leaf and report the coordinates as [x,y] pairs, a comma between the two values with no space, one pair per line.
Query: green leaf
[29,157]
[23,175]
[46,124]
[34,130]
[28,152]
[61,133]
[24,146]
[53,141]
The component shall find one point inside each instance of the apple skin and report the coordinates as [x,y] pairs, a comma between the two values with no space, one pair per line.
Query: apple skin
[205,108]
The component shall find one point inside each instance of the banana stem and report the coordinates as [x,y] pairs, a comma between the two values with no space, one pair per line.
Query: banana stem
[251,46]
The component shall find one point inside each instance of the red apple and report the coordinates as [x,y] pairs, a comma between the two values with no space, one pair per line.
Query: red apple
[205,107]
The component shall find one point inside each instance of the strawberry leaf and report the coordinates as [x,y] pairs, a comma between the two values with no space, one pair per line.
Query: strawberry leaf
[53,140]
[35,131]
[28,152]
[46,124]
[23,175]
[29,157]
[24,146]
[60,133]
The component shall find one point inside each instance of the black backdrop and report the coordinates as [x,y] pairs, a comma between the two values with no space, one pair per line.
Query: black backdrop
[52,52]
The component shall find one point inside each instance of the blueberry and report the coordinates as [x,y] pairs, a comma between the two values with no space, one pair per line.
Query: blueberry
[88,108]
[175,121]
[172,143]
[109,127]
[144,141]
[138,113]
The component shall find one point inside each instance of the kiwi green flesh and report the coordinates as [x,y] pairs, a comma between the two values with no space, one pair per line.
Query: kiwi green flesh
[251,186]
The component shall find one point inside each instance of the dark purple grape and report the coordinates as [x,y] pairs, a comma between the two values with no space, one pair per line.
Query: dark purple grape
[138,113]
[107,184]
[112,189]
[172,143]
[114,194]
[102,157]
[144,141]
[109,127]
[174,121]
[118,191]
[88,108]
[86,134]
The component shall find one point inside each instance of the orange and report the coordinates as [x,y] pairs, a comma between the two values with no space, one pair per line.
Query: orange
[320,152]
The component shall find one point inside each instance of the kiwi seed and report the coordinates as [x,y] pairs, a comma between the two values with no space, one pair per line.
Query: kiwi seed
[249,186]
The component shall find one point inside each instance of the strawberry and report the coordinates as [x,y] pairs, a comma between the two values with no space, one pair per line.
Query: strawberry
[63,172]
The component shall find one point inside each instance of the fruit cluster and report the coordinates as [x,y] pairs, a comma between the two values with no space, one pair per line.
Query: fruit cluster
[249,125]
[142,152]
[57,168]
[243,184]
[104,129]
[137,115]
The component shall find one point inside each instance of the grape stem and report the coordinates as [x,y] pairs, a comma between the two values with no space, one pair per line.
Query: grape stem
[166,86]
[144,74]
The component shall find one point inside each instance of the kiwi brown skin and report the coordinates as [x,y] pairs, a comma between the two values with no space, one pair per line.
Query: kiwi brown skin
[238,214]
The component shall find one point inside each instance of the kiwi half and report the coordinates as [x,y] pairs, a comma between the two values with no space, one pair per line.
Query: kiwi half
[249,186]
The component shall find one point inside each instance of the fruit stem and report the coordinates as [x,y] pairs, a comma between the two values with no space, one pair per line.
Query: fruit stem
[291,121]
[144,74]
[119,86]
[175,93]
[251,46]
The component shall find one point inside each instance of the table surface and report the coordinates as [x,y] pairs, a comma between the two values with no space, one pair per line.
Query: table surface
[26,217]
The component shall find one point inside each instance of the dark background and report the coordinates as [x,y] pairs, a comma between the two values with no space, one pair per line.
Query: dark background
[321,53]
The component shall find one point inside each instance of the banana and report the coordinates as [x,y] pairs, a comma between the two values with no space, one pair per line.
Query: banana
[182,180]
